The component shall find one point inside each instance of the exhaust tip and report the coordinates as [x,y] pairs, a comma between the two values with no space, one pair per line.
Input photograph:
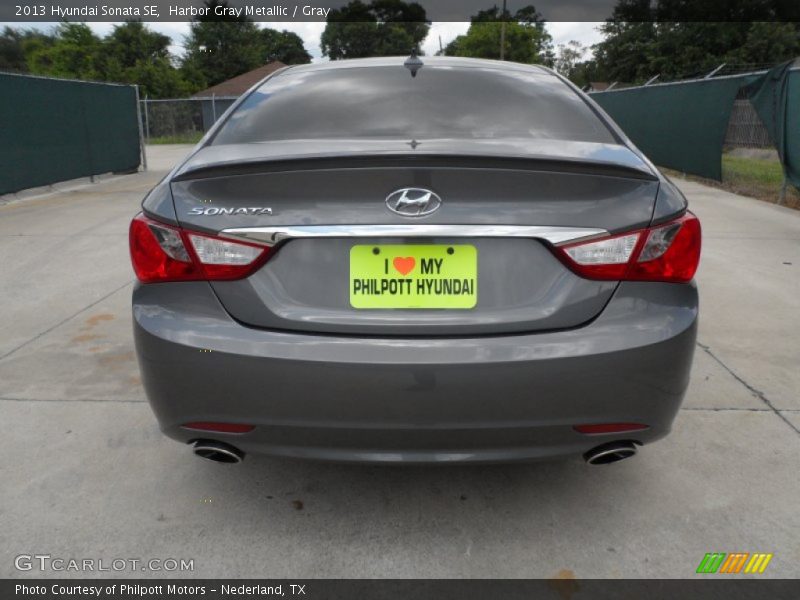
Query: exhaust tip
[610,453]
[218,451]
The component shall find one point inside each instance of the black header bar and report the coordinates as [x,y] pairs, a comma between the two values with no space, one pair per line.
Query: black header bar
[435,10]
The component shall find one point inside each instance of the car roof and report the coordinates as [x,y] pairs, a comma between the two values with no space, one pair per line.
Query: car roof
[433,61]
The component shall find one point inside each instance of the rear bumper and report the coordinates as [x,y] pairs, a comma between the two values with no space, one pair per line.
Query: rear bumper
[514,397]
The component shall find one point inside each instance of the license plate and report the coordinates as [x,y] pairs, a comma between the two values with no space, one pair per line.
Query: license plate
[413,276]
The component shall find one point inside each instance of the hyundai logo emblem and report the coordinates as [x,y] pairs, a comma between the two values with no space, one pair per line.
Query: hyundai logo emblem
[413,202]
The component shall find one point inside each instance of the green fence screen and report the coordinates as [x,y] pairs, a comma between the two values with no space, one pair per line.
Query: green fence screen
[776,98]
[54,130]
[678,125]
[682,125]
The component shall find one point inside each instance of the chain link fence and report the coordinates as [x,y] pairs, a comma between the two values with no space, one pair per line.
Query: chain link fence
[745,127]
[181,120]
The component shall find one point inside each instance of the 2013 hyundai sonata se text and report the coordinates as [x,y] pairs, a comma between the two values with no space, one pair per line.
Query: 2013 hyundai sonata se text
[415,260]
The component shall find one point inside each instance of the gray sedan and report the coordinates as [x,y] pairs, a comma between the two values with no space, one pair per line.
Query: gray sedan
[415,261]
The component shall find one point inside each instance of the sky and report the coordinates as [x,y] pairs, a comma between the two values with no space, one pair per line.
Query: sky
[562,32]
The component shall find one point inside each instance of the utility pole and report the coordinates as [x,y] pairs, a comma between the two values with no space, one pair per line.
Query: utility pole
[441,50]
[503,33]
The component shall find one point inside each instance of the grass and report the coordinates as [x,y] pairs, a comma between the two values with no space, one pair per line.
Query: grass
[758,171]
[181,138]
[755,177]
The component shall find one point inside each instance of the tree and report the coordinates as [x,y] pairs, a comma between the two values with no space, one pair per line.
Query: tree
[134,42]
[526,39]
[767,41]
[157,79]
[402,27]
[74,52]
[16,45]
[221,47]
[678,39]
[284,46]
[133,53]
[583,73]
[624,53]
[568,57]
[381,28]
[12,53]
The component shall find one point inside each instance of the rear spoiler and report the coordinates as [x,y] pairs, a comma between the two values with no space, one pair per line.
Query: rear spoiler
[557,156]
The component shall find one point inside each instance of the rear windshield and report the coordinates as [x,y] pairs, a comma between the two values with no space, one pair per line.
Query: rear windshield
[386,102]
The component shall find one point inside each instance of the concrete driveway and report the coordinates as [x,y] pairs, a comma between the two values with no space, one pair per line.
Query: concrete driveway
[86,473]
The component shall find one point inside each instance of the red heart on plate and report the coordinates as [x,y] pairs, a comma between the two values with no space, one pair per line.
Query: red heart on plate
[404,265]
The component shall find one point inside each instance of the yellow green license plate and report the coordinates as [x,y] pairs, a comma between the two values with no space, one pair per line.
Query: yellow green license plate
[413,276]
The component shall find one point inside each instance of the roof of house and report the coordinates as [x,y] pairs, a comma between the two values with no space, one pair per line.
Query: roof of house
[236,86]
[598,86]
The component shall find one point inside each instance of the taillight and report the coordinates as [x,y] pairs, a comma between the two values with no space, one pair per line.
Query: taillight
[162,252]
[223,259]
[668,252]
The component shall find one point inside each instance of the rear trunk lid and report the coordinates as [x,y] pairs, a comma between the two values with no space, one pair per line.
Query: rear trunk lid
[340,187]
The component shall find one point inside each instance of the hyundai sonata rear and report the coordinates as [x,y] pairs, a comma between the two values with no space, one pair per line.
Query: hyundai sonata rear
[377,260]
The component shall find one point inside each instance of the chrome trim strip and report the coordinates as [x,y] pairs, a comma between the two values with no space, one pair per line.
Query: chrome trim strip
[277,234]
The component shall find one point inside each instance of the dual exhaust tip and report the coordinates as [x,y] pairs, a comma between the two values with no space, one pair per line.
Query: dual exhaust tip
[604,454]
